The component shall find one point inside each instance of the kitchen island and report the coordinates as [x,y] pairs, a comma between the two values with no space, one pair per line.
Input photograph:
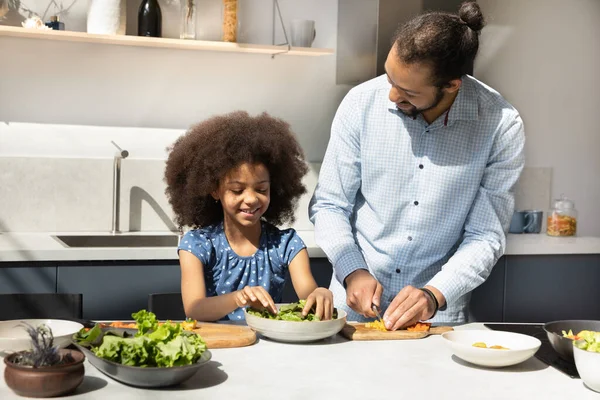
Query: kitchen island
[340,369]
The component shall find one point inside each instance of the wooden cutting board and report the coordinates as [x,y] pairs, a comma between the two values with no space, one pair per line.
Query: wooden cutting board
[357,331]
[221,336]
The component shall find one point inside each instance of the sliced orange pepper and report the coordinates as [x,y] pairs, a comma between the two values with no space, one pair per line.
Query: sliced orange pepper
[419,327]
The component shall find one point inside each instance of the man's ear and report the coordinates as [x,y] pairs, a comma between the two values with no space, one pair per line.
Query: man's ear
[452,86]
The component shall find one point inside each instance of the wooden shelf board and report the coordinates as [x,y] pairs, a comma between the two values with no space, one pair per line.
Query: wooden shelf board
[141,41]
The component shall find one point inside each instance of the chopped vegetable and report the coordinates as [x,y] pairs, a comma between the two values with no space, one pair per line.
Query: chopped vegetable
[188,325]
[571,336]
[588,340]
[378,325]
[154,344]
[484,346]
[289,312]
[419,327]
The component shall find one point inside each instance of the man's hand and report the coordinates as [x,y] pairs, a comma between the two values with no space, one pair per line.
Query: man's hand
[363,290]
[410,306]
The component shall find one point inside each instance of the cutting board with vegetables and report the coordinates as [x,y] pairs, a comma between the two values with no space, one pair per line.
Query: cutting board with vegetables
[358,331]
[221,336]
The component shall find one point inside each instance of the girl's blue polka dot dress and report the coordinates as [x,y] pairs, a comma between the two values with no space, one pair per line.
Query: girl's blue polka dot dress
[226,272]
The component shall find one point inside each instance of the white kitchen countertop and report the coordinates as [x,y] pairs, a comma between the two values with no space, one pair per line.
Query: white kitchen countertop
[340,369]
[21,246]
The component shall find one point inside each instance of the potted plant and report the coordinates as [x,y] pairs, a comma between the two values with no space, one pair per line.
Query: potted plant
[45,370]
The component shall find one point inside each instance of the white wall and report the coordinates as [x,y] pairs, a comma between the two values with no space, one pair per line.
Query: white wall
[62,103]
[544,57]
[92,84]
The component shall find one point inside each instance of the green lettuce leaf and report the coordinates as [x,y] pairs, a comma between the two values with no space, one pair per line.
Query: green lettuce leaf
[154,345]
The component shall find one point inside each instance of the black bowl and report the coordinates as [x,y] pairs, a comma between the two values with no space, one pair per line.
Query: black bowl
[562,345]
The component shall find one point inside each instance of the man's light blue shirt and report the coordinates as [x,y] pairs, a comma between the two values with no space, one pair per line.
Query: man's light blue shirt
[417,203]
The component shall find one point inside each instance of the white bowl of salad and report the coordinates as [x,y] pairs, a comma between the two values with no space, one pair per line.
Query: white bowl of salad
[586,351]
[289,326]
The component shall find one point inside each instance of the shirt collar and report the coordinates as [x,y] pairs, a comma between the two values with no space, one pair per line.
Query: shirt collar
[465,106]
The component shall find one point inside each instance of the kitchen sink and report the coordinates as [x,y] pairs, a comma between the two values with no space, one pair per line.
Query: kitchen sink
[118,240]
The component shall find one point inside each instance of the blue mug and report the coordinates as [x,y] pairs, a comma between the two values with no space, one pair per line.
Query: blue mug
[528,221]
[533,221]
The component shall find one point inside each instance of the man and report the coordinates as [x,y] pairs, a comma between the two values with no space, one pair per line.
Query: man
[415,192]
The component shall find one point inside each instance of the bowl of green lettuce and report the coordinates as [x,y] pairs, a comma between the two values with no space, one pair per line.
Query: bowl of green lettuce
[288,325]
[587,358]
[150,356]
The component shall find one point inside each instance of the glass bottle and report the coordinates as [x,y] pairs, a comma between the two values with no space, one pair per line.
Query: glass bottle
[562,218]
[230,20]
[149,19]
[188,19]
[55,24]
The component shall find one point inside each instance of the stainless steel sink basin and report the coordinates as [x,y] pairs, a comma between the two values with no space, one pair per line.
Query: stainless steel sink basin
[117,240]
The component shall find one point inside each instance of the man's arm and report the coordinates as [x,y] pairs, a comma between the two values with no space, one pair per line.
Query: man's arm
[332,203]
[484,239]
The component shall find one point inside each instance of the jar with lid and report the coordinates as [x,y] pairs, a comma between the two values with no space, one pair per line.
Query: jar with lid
[562,218]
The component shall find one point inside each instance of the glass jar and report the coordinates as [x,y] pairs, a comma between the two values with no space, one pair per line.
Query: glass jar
[230,20]
[188,19]
[562,218]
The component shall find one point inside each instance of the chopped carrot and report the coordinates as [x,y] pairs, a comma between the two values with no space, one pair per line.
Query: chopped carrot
[419,327]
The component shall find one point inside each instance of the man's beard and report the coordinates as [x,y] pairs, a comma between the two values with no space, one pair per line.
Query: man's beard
[414,111]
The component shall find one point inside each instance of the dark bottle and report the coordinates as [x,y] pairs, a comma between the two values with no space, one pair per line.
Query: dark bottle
[149,19]
[55,24]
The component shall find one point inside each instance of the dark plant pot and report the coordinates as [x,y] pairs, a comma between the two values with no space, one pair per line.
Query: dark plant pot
[51,381]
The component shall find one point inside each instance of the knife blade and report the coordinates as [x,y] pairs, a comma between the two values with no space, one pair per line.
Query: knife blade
[376,311]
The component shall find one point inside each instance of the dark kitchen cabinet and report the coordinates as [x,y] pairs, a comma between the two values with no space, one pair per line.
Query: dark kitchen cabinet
[544,288]
[27,278]
[521,288]
[321,269]
[487,300]
[116,290]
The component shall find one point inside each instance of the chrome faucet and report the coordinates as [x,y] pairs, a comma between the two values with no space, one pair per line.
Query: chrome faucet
[116,200]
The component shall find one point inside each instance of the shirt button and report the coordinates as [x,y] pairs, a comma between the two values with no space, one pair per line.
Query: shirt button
[420,166]
[397,270]
[416,203]
[409,238]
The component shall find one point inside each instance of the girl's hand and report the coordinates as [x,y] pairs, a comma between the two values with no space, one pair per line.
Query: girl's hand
[255,297]
[322,299]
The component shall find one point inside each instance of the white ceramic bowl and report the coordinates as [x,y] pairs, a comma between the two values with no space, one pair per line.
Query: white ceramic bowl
[296,331]
[588,366]
[14,337]
[521,347]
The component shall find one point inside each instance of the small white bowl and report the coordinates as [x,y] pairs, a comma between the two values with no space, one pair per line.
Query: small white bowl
[521,347]
[588,366]
[14,337]
[296,331]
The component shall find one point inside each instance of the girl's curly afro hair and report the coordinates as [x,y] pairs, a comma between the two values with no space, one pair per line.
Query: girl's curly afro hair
[200,158]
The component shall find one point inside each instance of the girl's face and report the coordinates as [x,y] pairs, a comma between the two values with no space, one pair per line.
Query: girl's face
[245,193]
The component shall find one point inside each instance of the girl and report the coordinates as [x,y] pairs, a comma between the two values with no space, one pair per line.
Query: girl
[220,176]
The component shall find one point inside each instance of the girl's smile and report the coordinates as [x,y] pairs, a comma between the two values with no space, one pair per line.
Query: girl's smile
[244,194]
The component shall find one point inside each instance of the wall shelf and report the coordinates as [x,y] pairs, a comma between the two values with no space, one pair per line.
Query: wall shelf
[140,41]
